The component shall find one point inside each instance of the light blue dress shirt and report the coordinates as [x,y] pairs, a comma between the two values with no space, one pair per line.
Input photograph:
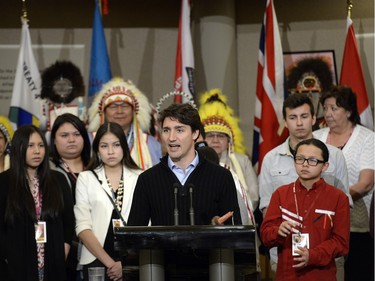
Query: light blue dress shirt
[180,174]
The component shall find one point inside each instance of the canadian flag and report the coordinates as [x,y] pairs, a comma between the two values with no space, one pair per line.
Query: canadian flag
[352,75]
[184,72]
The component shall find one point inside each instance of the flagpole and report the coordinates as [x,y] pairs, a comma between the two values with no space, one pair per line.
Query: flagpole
[352,72]
[24,11]
[350,7]
[100,7]
[100,69]
[26,106]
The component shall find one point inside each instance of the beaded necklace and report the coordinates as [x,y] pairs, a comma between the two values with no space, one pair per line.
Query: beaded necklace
[329,140]
[118,195]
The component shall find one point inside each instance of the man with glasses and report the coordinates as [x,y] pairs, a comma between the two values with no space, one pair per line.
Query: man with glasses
[123,103]
[278,164]
[308,219]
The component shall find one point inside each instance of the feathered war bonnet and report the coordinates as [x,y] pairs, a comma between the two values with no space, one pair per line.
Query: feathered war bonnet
[7,130]
[217,116]
[118,90]
[62,82]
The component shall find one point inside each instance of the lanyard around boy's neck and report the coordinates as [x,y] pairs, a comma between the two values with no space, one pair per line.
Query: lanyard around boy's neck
[296,204]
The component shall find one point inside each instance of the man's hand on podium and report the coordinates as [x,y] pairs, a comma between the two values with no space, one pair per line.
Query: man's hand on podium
[216,220]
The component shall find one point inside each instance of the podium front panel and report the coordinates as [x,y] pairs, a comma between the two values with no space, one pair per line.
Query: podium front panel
[189,237]
[192,252]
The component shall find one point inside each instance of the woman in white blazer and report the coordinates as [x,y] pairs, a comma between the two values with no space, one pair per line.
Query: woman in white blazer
[109,182]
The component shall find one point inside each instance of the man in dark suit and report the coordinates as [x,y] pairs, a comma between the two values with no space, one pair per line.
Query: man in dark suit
[209,187]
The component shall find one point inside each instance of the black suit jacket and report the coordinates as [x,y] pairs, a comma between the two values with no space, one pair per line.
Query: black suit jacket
[214,194]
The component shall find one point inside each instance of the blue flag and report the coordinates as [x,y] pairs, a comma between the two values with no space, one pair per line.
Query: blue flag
[100,68]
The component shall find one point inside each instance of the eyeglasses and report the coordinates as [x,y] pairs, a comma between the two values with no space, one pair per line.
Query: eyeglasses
[219,136]
[311,161]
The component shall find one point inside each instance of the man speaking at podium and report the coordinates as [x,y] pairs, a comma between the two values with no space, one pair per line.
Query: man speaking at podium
[184,188]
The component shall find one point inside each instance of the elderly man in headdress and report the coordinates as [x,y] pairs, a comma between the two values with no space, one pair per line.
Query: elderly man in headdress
[123,103]
[224,135]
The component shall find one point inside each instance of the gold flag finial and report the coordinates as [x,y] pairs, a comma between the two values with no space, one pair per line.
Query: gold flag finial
[100,6]
[350,7]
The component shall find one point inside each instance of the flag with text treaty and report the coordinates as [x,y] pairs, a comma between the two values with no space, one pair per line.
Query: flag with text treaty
[270,91]
[26,106]
[352,76]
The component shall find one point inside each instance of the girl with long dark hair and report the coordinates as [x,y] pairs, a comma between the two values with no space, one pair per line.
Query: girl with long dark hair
[103,199]
[36,212]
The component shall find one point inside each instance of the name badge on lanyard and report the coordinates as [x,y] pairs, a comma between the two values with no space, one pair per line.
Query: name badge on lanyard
[117,223]
[300,240]
[40,232]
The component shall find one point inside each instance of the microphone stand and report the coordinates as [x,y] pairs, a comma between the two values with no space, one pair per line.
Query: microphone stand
[175,213]
[191,210]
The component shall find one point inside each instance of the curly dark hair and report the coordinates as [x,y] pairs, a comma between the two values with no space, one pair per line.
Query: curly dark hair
[183,113]
[315,65]
[345,98]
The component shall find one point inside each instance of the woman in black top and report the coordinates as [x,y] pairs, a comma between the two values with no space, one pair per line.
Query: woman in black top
[36,212]
[70,150]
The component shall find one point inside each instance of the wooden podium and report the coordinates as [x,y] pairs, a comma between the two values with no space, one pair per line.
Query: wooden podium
[220,242]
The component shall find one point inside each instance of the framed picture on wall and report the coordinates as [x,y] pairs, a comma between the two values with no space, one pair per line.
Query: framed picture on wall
[311,72]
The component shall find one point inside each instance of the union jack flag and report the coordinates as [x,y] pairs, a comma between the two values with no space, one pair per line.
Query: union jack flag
[270,92]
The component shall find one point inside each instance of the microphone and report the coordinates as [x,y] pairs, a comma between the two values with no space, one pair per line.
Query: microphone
[182,190]
[175,212]
[191,210]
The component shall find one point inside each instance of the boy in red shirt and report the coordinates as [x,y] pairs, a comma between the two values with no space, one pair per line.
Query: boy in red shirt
[308,220]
